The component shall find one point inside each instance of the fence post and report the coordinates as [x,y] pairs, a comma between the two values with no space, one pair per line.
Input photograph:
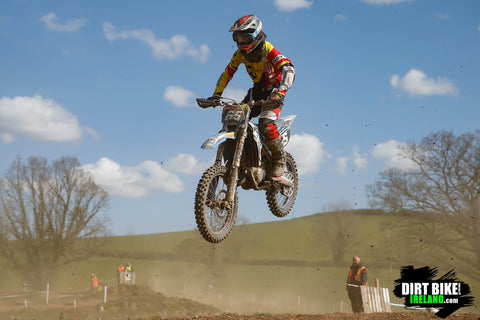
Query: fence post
[105,295]
[48,289]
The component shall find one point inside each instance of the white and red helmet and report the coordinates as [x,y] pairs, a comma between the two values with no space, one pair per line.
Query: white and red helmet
[248,33]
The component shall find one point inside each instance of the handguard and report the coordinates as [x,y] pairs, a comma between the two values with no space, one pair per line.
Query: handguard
[207,103]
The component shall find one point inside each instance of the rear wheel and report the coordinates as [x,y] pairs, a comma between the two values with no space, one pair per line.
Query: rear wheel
[281,199]
[214,216]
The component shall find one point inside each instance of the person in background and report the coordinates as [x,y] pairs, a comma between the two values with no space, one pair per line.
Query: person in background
[358,276]
[94,282]
[120,269]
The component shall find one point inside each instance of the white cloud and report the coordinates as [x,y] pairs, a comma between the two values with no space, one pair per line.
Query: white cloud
[134,182]
[381,2]
[235,94]
[186,163]
[169,49]
[178,96]
[51,23]
[341,165]
[390,152]
[340,17]
[93,133]
[38,119]
[308,152]
[359,161]
[291,5]
[416,83]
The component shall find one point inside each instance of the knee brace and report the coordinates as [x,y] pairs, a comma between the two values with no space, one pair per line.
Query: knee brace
[268,129]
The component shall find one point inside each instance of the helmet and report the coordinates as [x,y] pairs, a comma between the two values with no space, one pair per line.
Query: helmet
[248,33]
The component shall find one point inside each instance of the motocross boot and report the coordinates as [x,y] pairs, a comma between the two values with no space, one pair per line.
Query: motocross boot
[278,158]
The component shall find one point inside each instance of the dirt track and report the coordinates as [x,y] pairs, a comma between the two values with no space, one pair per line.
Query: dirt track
[332,316]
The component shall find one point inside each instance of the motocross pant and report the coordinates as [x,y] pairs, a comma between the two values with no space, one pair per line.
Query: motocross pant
[267,117]
[268,127]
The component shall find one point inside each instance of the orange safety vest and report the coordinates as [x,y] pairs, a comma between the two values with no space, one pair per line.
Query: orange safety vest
[120,269]
[357,279]
[94,282]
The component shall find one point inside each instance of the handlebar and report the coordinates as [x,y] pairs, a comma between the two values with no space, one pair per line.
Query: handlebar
[209,102]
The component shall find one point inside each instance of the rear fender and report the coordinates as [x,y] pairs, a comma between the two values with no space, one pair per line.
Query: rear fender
[213,142]
[283,126]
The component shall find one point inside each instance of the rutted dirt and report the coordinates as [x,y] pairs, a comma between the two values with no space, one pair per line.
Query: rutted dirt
[139,303]
[332,316]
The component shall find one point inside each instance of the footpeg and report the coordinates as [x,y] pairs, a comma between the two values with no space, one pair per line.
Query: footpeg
[283,180]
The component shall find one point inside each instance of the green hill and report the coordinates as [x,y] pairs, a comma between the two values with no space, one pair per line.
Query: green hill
[283,266]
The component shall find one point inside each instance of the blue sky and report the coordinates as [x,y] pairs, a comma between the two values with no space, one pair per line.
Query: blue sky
[113,83]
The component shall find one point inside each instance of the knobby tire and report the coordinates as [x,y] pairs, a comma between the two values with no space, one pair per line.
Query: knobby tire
[280,205]
[213,222]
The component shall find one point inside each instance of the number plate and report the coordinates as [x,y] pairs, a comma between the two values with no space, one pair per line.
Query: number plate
[233,115]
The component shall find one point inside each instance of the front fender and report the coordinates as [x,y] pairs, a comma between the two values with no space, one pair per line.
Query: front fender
[213,142]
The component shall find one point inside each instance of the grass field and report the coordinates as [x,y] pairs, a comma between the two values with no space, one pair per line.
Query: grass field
[283,266]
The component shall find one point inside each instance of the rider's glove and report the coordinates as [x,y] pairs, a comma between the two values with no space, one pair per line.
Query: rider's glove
[214,98]
[212,101]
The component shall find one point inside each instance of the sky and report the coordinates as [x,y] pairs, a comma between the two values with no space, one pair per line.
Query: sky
[113,83]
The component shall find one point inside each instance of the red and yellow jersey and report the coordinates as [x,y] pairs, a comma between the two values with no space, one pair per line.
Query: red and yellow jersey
[266,73]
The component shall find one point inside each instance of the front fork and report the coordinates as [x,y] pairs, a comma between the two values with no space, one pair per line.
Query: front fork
[233,170]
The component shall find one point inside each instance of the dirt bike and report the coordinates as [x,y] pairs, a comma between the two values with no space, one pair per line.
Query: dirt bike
[242,160]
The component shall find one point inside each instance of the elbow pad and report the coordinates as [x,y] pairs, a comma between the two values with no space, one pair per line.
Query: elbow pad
[288,76]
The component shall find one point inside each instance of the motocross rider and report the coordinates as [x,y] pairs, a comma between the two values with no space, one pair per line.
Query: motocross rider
[272,74]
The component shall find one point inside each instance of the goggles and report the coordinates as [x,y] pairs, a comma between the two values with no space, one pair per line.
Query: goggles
[245,38]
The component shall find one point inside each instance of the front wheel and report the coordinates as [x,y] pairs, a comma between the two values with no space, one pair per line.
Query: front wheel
[214,216]
[281,199]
